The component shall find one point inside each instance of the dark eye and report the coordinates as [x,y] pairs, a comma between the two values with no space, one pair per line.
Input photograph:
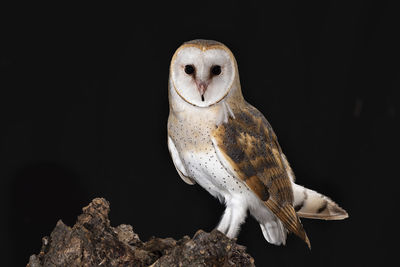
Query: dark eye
[216,70]
[189,69]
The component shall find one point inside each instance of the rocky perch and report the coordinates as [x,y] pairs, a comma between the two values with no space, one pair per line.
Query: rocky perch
[92,241]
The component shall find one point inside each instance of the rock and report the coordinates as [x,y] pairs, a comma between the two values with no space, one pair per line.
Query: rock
[92,241]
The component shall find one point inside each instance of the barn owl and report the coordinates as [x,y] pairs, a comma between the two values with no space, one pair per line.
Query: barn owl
[219,141]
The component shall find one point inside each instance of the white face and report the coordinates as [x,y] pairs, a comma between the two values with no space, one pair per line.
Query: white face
[202,78]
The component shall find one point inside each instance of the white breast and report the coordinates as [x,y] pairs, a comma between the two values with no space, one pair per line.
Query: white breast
[206,169]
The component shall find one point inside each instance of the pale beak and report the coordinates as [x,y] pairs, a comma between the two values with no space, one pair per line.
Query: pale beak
[202,87]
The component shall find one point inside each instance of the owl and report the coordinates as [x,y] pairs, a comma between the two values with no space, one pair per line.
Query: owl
[219,141]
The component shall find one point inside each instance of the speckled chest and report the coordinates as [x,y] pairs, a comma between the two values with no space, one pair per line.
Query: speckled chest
[192,139]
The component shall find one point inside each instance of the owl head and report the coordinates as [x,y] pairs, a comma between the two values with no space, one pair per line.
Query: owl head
[203,73]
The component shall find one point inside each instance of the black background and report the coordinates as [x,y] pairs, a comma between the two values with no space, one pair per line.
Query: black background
[84,109]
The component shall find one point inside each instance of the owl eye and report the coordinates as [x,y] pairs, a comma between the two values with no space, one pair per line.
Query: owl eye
[189,69]
[216,70]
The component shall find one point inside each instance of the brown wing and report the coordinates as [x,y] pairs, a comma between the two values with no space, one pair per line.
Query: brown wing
[250,147]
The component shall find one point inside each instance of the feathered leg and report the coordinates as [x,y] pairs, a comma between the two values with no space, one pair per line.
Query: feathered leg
[272,228]
[225,221]
[238,215]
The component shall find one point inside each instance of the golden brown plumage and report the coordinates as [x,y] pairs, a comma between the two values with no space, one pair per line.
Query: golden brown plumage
[252,149]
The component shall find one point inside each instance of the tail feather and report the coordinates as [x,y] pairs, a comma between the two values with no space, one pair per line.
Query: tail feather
[311,204]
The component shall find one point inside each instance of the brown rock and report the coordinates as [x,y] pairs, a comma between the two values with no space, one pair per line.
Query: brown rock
[92,241]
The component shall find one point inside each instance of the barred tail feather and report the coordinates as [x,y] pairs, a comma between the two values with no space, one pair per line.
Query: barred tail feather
[311,204]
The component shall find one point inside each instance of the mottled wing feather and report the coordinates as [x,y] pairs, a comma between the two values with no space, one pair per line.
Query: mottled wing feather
[250,147]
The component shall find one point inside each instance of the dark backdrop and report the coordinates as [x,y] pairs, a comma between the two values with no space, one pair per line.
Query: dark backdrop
[84,110]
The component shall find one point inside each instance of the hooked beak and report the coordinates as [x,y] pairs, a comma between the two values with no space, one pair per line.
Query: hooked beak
[202,87]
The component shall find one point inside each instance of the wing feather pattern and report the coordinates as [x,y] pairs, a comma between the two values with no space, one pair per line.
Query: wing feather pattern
[250,148]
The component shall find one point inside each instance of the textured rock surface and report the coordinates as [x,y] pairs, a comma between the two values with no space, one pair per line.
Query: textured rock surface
[92,241]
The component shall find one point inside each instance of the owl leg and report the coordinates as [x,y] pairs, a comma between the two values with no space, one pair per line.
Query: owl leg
[238,215]
[272,228]
[225,220]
